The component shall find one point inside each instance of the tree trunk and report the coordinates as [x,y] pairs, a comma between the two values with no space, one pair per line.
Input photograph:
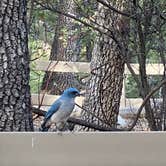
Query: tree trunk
[15,103]
[107,68]
[63,51]
[142,54]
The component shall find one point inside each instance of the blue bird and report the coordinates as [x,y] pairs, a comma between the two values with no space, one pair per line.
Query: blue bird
[61,109]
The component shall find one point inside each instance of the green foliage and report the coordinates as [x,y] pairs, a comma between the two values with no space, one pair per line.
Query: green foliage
[38,50]
[132,89]
[43,25]
[36,79]
[40,39]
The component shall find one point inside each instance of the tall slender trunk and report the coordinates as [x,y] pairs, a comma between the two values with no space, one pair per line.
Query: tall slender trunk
[145,87]
[15,114]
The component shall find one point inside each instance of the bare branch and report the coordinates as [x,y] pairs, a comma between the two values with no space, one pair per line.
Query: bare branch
[79,122]
[144,103]
[89,112]
[53,9]
[114,9]
[94,25]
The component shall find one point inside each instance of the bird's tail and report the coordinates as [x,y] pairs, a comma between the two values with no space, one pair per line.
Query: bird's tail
[44,127]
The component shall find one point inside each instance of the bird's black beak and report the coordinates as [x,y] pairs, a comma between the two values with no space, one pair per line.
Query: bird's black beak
[78,94]
[82,94]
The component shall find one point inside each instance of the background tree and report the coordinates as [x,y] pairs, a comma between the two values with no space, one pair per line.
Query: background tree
[107,68]
[65,47]
[145,46]
[15,104]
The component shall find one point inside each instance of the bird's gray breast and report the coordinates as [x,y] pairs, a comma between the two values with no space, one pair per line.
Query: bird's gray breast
[63,112]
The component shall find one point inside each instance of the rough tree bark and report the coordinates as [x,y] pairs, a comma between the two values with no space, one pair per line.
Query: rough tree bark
[15,114]
[63,51]
[107,68]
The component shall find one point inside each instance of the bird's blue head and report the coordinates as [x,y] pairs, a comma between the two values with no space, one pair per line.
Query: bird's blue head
[71,92]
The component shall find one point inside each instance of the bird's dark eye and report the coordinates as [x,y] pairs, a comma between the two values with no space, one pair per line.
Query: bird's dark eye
[74,92]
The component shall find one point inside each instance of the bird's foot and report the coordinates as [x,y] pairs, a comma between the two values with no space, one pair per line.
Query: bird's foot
[60,133]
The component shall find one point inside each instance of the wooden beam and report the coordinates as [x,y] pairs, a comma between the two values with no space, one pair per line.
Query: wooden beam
[62,66]
[49,99]
[84,67]
[151,69]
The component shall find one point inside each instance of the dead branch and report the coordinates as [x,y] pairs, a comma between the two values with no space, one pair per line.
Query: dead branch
[81,122]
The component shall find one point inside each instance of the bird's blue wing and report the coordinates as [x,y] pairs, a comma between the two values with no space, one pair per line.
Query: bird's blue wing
[54,108]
